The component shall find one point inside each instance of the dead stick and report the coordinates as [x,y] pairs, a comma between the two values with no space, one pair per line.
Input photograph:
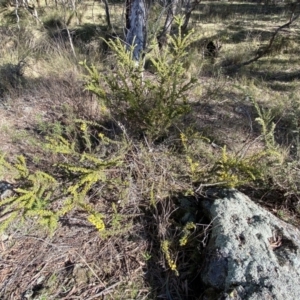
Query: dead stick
[266,50]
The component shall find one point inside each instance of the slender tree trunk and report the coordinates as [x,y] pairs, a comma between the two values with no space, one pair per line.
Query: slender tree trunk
[189,7]
[107,14]
[171,8]
[128,4]
[136,27]
[172,5]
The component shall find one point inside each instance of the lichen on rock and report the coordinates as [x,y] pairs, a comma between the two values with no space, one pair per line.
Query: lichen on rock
[251,254]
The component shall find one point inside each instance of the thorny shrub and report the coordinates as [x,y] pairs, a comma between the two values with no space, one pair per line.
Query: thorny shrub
[149,104]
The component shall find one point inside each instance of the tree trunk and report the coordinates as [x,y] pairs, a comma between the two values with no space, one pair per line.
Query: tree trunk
[128,6]
[171,7]
[107,14]
[189,7]
[136,27]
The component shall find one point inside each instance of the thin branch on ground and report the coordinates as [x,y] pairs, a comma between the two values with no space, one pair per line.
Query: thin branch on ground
[266,50]
[107,290]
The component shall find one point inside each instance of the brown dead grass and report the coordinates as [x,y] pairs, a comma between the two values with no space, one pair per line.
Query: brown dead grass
[76,263]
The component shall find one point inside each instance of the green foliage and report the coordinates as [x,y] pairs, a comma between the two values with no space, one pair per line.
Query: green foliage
[165,248]
[233,171]
[169,247]
[151,103]
[293,117]
[119,223]
[186,232]
[17,169]
[33,199]
[265,118]
[48,197]
[97,221]
[86,171]
[194,169]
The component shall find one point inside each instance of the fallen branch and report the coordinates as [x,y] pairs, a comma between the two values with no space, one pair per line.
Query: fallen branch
[269,46]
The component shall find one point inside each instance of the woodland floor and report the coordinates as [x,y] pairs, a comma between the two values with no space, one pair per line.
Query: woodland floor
[76,262]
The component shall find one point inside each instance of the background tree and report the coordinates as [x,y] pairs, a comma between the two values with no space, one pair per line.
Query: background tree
[107,14]
[136,34]
[171,6]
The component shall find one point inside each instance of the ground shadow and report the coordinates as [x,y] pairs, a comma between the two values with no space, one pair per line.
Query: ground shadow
[208,11]
[86,38]
[163,223]
[277,76]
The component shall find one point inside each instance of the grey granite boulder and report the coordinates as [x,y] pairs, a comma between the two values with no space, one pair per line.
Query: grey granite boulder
[251,254]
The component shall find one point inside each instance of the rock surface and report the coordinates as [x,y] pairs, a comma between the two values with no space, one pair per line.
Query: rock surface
[6,189]
[251,253]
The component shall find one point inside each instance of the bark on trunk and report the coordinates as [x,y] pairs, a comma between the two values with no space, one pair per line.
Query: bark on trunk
[136,28]
[171,7]
[189,7]
[107,14]
[128,4]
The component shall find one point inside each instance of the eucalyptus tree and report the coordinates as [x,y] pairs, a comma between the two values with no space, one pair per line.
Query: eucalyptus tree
[136,33]
[136,14]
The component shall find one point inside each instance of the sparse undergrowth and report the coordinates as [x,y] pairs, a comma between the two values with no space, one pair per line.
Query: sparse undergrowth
[106,187]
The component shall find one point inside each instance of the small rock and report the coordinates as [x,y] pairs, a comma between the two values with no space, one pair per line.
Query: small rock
[6,189]
[80,274]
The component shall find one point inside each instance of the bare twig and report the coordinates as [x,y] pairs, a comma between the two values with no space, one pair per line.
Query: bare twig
[105,291]
[204,185]
[71,41]
[17,15]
